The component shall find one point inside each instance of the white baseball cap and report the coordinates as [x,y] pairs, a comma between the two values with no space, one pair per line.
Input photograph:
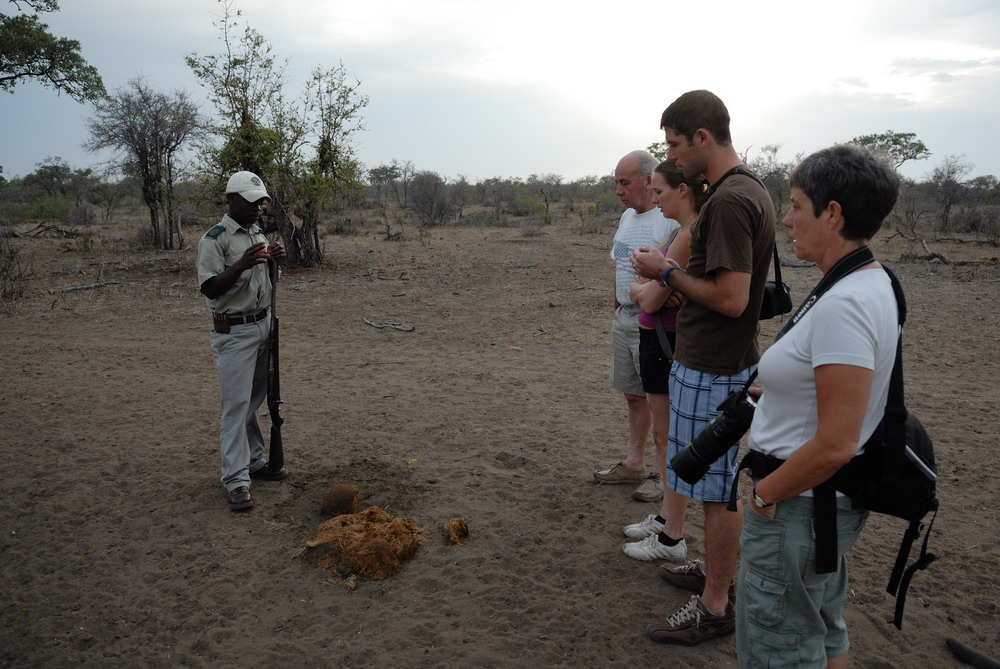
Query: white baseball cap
[248,185]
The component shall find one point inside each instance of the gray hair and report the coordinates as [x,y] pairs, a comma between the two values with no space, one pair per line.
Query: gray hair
[861,182]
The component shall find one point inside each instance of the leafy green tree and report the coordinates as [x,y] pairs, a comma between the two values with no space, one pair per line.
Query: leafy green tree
[333,106]
[29,52]
[52,177]
[659,150]
[549,186]
[382,181]
[898,147]
[244,83]
[301,148]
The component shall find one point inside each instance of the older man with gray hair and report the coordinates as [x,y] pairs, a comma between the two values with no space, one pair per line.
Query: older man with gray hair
[642,224]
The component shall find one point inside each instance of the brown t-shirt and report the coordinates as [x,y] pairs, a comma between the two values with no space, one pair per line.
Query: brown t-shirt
[735,231]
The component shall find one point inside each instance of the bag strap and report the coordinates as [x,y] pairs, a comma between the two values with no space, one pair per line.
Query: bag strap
[900,580]
[735,170]
[854,260]
[661,333]
[747,173]
[849,263]
[824,495]
[895,407]
[777,267]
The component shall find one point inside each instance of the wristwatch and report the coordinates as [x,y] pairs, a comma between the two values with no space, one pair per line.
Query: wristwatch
[758,502]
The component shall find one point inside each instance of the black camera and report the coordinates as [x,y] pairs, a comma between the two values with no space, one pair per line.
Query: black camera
[693,461]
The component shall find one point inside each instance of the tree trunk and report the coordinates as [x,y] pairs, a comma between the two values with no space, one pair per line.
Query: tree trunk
[154,222]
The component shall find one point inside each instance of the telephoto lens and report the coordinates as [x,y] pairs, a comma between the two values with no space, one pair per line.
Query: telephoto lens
[693,461]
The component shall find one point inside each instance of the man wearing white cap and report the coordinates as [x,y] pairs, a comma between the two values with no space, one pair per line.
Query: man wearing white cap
[233,276]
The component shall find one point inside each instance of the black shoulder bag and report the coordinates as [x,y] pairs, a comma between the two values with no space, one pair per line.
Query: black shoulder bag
[777,296]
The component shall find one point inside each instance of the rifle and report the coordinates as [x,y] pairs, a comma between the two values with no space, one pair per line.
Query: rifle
[276,456]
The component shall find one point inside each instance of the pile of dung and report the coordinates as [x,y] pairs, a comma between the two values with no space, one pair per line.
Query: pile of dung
[457,530]
[342,498]
[371,543]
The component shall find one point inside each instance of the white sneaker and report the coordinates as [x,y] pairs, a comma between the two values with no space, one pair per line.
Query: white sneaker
[642,530]
[650,548]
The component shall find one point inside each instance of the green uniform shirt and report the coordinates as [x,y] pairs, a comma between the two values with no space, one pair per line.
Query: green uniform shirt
[220,248]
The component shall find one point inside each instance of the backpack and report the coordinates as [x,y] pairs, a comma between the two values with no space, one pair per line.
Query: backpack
[895,475]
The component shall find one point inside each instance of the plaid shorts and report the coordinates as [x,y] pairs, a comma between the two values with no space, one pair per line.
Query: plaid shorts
[694,398]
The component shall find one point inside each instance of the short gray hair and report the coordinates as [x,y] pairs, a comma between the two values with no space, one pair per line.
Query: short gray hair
[861,182]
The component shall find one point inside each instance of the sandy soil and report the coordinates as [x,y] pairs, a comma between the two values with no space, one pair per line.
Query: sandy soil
[118,548]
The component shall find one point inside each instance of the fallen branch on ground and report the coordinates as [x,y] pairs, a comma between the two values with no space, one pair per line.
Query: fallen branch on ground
[387,324]
[42,229]
[931,255]
[86,286]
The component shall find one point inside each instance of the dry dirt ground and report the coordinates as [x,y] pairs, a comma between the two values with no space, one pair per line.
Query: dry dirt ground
[118,548]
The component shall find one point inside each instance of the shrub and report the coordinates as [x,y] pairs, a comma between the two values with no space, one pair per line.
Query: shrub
[47,209]
[14,275]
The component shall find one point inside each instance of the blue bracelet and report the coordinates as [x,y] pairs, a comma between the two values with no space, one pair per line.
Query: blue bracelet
[670,269]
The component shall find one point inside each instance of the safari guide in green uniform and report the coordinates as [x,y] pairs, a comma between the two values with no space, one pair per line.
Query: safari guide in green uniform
[233,276]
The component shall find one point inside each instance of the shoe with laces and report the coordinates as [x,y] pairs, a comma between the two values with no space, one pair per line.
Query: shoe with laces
[694,624]
[619,474]
[650,548]
[643,529]
[651,489]
[239,499]
[690,576]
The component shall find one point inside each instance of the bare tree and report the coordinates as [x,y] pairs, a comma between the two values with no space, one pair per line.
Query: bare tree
[910,210]
[146,129]
[402,184]
[774,173]
[428,198]
[949,186]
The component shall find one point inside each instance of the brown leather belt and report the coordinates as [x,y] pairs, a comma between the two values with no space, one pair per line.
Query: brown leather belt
[248,318]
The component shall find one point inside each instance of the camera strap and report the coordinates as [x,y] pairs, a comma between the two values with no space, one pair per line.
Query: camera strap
[852,261]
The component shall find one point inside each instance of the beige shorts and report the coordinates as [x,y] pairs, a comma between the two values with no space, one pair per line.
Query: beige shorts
[625,351]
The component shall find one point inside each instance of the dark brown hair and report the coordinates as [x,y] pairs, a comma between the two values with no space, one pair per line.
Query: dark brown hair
[674,178]
[695,110]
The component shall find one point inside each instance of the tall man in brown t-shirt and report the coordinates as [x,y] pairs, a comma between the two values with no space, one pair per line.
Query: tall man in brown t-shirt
[731,247]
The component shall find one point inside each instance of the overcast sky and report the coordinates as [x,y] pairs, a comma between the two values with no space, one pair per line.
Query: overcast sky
[463,87]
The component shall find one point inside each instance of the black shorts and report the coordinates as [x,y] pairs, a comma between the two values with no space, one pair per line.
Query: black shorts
[654,364]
